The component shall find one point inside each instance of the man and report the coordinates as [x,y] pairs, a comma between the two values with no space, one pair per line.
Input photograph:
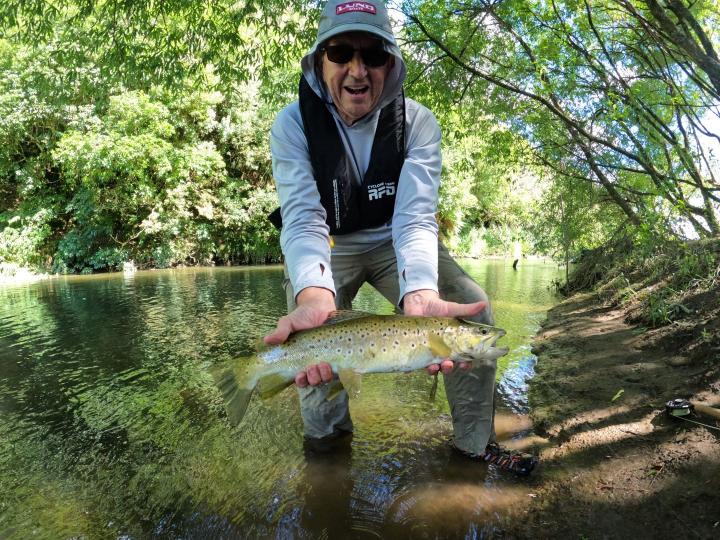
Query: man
[357,168]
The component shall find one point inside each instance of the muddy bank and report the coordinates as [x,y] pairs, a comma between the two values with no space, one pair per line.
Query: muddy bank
[614,464]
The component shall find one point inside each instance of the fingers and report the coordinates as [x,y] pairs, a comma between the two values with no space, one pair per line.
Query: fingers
[280,334]
[465,310]
[447,366]
[429,306]
[315,375]
[433,369]
[301,318]
[301,379]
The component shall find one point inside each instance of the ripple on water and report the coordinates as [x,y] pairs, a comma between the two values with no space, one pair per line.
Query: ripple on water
[513,385]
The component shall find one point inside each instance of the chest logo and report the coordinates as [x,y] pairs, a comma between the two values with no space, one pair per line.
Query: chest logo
[378,191]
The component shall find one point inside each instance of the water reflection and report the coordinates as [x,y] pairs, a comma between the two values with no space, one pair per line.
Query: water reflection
[111,426]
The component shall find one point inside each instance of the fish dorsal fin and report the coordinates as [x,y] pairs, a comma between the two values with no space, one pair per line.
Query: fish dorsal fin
[438,347]
[343,315]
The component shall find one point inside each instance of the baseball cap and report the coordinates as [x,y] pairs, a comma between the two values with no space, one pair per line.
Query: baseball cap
[340,16]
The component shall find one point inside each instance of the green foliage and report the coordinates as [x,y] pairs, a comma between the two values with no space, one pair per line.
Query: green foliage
[163,177]
[566,126]
[696,267]
[661,309]
[488,189]
[599,99]
[139,43]
[22,241]
[138,130]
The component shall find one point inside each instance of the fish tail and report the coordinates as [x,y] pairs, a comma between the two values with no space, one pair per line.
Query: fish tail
[237,386]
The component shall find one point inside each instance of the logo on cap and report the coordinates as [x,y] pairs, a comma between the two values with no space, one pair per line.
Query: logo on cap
[349,7]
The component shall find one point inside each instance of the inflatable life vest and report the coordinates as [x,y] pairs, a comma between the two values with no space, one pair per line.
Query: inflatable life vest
[351,207]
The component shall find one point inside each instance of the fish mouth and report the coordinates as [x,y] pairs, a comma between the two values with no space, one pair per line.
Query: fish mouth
[481,354]
[485,346]
[490,340]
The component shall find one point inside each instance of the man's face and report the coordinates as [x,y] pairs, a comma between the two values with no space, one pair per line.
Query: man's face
[355,86]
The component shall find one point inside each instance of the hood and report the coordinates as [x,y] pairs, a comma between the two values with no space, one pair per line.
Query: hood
[340,16]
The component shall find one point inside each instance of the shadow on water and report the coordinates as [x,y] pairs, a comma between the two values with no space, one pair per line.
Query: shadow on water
[111,426]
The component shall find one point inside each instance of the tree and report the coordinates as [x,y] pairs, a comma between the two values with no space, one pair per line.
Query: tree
[596,97]
[142,42]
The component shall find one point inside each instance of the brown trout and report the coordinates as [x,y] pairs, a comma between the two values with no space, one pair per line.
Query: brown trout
[356,343]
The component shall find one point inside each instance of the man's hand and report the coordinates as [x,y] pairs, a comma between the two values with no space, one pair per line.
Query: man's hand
[314,304]
[427,303]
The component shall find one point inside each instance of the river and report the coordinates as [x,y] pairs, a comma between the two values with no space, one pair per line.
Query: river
[111,425]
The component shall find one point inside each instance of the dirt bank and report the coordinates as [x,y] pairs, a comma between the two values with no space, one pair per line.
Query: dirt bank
[615,465]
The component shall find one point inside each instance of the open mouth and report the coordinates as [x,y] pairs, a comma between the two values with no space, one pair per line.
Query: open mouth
[357,91]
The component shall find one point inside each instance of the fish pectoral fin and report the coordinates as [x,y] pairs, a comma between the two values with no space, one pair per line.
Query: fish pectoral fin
[351,380]
[271,385]
[438,347]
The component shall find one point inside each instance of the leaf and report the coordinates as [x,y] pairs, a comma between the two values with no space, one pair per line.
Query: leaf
[618,394]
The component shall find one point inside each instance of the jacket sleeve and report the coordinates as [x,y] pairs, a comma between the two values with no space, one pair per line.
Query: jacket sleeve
[415,230]
[305,237]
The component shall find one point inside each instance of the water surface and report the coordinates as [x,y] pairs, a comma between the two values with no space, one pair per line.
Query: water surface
[111,425]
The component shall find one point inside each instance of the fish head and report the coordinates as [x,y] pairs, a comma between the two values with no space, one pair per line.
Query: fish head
[470,340]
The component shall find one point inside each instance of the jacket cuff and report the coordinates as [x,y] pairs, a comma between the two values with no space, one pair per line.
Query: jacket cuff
[311,275]
[417,276]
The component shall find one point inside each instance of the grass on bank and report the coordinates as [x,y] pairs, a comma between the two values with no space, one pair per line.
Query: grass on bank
[676,284]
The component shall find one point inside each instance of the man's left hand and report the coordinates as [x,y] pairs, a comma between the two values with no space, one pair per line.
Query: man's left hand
[427,303]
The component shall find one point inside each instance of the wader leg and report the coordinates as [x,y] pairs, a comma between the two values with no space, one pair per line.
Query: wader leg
[383,274]
[323,417]
[470,393]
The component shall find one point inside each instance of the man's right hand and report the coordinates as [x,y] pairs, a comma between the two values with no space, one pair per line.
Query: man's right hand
[314,305]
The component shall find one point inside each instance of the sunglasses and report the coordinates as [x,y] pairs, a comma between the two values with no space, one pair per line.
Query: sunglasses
[344,52]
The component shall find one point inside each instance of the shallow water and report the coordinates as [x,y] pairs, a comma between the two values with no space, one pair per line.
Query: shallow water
[111,425]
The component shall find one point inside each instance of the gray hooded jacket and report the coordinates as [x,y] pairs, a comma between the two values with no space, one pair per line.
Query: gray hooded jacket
[305,236]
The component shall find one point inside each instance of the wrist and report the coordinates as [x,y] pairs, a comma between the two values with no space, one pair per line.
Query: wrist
[420,295]
[415,302]
[316,295]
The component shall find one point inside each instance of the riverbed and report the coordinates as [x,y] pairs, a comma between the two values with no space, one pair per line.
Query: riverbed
[111,425]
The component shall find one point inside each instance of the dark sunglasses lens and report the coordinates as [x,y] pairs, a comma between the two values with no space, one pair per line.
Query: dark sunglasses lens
[342,54]
[374,57]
